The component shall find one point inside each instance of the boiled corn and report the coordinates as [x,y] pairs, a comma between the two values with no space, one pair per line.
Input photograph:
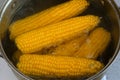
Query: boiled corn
[51,15]
[95,45]
[57,66]
[16,56]
[53,34]
[70,47]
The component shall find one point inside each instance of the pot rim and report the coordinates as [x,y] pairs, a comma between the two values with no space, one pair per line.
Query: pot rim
[8,4]
[111,61]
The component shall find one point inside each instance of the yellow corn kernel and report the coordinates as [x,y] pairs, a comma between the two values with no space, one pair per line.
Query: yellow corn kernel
[53,34]
[51,15]
[95,44]
[57,66]
[70,47]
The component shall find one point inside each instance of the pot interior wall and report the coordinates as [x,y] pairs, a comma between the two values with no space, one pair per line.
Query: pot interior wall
[108,21]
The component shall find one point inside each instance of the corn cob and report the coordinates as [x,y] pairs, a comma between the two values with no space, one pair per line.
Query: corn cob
[95,45]
[52,15]
[70,47]
[53,34]
[16,56]
[57,66]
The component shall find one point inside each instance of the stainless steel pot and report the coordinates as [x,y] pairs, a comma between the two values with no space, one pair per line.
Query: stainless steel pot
[13,9]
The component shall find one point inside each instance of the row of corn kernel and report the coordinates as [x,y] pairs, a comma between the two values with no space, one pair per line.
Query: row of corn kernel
[56,66]
[52,15]
[88,47]
[63,66]
[95,45]
[54,34]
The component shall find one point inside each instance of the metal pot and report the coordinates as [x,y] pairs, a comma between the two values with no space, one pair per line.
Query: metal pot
[13,9]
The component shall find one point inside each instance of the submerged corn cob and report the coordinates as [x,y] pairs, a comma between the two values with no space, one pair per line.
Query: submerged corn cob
[53,34]
[16,56]
[70,47]
[51,15]
[95,45]
[57,66]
